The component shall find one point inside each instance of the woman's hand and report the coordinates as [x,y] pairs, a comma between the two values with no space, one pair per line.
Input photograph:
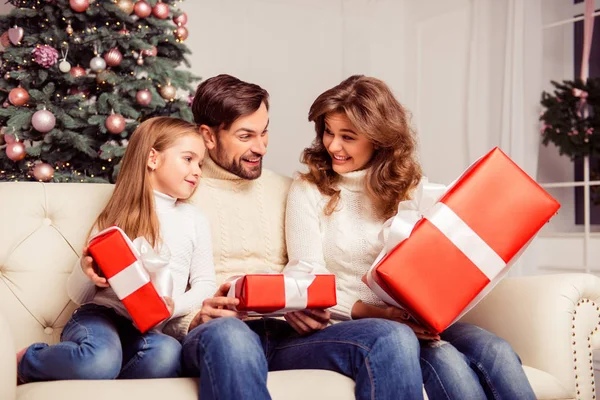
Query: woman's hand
[88,267]
[364,310]
[396,314]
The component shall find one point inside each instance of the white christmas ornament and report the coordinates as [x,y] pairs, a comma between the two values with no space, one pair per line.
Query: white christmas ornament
[97,64]
[64,66]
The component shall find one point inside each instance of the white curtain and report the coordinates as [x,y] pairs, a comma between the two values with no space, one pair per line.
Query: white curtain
[504,84]
[505,69]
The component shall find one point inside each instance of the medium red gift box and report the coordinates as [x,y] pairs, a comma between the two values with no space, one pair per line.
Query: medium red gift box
[114,254]
[465,242]
[280,293]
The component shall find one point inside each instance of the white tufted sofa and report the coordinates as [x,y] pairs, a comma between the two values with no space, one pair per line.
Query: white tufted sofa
[551,321]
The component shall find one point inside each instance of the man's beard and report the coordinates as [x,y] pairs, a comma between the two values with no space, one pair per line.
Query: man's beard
[235,166]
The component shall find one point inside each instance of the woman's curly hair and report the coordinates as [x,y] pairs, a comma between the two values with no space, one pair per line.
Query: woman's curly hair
[374,111]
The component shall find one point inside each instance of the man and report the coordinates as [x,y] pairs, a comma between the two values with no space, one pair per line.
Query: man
[246,206]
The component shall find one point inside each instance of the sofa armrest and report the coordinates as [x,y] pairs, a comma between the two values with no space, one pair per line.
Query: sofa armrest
[8,362]
[552,323]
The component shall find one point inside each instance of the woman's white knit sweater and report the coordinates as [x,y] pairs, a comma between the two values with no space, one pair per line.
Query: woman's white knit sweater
[344,243]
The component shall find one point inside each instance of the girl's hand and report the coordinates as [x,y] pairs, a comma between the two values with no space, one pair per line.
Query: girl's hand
[170,304]
[87,266]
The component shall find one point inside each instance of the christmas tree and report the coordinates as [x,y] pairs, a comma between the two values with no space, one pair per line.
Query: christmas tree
[78,76]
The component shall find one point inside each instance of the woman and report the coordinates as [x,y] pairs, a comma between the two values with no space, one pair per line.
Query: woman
[361,164]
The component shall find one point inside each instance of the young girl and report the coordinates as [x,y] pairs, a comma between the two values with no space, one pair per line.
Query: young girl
[161,168]
[361,165]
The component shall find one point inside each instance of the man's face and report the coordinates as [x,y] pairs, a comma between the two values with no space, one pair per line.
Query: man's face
[240,148]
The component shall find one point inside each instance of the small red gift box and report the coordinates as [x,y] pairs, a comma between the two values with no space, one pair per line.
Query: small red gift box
[281,293]
[114,253]
[465,243]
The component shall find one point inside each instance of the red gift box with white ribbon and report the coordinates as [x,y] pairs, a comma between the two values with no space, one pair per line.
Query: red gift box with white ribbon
[122,265]
[447,248]
[276,294]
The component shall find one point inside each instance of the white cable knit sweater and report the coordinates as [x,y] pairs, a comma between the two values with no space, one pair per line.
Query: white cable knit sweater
[185,232]
[246,218]
[344,243]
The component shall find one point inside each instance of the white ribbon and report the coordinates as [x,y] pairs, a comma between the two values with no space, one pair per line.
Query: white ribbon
[466,239]
[297,278]
[150,267]
[399,227]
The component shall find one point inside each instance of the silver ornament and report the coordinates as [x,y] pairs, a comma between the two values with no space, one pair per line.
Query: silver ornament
[64,66]
[43,121]
[97,64]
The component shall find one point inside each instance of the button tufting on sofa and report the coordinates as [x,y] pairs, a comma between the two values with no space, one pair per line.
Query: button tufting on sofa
[47,221]
[48,330]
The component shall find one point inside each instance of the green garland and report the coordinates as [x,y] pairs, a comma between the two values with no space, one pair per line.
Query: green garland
[571,119]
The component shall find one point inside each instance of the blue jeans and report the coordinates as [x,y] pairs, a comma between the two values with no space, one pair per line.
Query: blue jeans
[472,363]
[233,357]
[97,343]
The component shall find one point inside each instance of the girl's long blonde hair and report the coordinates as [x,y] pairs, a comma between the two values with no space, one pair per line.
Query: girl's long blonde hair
[131,206]
[372,108]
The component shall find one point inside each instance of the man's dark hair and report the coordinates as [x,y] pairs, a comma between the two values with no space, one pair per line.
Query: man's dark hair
[220,100]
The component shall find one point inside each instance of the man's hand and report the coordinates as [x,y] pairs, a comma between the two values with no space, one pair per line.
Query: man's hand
[308,321]
[217,307]
[87,266]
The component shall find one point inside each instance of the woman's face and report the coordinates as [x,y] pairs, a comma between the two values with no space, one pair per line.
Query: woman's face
[349,149]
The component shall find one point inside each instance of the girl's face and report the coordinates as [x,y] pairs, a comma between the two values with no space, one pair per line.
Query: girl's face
[176,171]
[349,149]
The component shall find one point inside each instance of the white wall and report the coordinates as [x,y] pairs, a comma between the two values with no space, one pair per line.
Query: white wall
[296,49]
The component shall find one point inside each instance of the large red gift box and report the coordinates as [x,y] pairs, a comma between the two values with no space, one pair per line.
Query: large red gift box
[465,241]
[115,256]
[280,293]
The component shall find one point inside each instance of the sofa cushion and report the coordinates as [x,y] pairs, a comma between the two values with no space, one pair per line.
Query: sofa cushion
[283,385]
[545,385]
